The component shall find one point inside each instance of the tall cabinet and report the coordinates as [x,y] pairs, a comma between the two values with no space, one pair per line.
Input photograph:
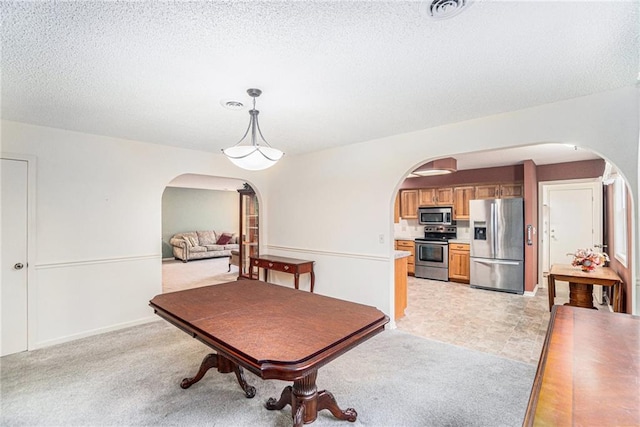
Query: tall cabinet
[249,230]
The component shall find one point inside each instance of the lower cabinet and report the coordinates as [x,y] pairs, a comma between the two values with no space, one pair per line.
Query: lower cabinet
[400,287]
[408,245]
[459,262]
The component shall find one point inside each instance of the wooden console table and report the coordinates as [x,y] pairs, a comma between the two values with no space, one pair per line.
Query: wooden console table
[274,332]
[589,371]
[285,265]
[581,285]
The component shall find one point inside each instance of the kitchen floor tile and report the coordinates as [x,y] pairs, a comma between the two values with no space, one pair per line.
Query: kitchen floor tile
[507,325]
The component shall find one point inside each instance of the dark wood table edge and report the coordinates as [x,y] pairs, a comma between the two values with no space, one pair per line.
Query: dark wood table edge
[268,369]
[537,380]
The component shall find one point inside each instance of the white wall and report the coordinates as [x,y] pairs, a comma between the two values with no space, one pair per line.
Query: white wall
[99,202]
[98,226]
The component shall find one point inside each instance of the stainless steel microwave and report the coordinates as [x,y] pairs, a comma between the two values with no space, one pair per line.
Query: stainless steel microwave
[442,215]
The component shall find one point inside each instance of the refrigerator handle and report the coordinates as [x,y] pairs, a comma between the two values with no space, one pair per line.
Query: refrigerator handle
[495,261]
[494,223]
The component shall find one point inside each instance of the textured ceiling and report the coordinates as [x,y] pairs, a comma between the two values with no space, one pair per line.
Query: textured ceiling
[332,73]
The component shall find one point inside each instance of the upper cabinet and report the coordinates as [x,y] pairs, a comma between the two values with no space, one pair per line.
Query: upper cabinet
[409,204]
[511,190]
[461,197]
[498,191]
[436,196]
[408,201]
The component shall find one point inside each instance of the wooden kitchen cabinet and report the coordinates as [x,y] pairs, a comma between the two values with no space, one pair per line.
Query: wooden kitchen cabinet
[410,246]
[400,287]
[487,191]
[498,191]
[409,204]
[436,196]
[459,262]
[510,190]
[461,197]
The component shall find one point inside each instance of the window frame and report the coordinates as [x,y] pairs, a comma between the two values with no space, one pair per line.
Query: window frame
[620,232]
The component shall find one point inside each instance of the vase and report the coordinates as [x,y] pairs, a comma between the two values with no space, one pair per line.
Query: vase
[587,266]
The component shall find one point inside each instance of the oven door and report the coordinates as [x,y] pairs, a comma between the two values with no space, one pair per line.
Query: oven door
[432,254]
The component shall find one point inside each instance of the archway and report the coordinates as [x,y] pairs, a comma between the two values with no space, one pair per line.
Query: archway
[198,207]
[584,163]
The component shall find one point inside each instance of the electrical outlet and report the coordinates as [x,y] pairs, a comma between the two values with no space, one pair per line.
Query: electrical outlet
[381,238]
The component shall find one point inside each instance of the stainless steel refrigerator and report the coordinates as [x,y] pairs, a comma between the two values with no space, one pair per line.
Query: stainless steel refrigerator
[497,244]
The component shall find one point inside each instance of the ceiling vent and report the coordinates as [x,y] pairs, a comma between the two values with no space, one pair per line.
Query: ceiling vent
[445,9]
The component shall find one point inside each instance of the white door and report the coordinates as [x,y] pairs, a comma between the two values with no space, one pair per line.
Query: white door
[13,287]
[574,221]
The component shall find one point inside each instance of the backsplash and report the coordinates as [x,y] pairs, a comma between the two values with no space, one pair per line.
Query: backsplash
[410,229]
[464,230]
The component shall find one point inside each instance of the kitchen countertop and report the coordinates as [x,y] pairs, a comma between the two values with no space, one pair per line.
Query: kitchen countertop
[460,241]
[402,254]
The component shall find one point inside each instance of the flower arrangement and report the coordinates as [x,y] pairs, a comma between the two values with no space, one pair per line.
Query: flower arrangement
[588,259]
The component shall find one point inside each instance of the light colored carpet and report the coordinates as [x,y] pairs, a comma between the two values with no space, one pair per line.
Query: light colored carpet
[131,377]
[178,275]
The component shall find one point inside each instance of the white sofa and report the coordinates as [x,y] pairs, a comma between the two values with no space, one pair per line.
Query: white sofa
[202,244]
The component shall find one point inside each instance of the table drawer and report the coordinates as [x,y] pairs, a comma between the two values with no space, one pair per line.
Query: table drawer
[272,265]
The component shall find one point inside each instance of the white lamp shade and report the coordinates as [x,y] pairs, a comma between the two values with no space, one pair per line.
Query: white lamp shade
[253,157]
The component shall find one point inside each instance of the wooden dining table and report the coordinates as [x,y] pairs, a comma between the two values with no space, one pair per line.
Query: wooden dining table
[275,332]
[589,370]
[581,285]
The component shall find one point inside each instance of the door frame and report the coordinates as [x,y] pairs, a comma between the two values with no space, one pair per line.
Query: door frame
[31,240]
[543,215]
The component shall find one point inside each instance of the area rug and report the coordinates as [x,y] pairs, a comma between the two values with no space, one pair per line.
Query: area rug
[131,378]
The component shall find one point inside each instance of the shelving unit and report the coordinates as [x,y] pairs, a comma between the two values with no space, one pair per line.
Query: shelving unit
[249,230]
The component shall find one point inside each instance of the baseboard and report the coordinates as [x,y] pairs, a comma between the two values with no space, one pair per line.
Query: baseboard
[531,293]
[93,332]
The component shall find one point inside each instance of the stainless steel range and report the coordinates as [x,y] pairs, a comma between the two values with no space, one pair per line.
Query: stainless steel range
[432,252]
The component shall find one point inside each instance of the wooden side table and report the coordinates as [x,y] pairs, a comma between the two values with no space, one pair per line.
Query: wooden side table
[581,285]
[286,265]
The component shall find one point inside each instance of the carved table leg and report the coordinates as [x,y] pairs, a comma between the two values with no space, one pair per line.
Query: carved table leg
[209,361]
[581,295]
[285,399]
[224,366]
[305,402]
[249,391]
[327,401]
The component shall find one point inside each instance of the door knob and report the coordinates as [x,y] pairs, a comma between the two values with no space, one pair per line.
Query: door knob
[18,266]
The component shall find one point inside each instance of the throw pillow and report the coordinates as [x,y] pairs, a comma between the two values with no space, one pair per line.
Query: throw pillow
[207,237]
[224,238]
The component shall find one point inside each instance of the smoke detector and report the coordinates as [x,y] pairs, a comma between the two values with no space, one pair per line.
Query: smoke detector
[444,9]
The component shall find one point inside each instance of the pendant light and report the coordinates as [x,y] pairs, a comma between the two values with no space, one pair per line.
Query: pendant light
[437,167]
[256,156]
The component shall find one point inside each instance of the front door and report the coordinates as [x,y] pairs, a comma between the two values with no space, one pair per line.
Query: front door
[574,221]
[13,287]
[575,217]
